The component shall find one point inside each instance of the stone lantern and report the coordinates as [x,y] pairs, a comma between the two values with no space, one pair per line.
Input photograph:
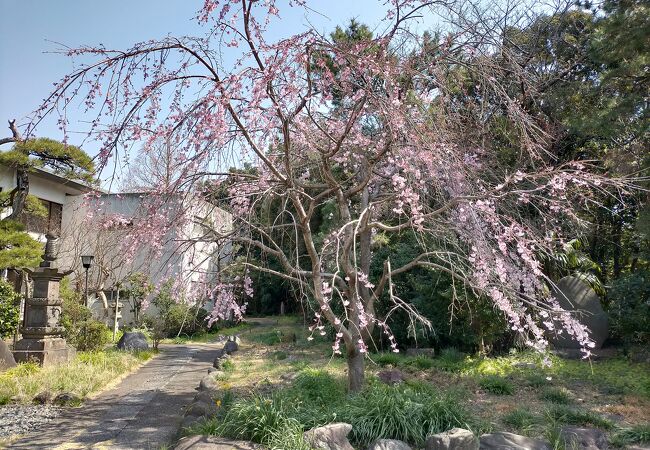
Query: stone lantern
[42,334]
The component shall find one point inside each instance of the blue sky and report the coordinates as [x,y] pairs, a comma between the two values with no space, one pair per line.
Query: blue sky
[32,28]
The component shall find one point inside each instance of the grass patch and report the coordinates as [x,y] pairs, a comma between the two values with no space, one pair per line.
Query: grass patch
[521,420]
[86,373]
[409,412]
[558,396]
[536,380]
[638,434]
[570,416]
[496,385]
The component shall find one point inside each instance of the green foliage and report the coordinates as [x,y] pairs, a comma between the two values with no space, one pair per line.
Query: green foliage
[521,419]
[637,434]
[316,388]
[263,420]
[137,290]
[9,309]
[496,385]
[65,160]
[536,380]
[629,308]
[81,331]
[405,412]
[17,248]
[572,416]
[174,319]
[556,395]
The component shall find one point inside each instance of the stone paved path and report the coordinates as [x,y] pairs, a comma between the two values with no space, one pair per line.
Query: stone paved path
[143,412]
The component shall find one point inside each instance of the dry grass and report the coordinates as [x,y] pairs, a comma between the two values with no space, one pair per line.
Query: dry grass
[88,372]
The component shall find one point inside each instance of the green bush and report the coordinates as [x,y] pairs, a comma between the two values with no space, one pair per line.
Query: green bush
[405,412]
[570,416]
[520,419]
[263,420]
[629,308]
[496,385]
[638,434]
[9,309]
[81,331]
[388,359]
[556,395]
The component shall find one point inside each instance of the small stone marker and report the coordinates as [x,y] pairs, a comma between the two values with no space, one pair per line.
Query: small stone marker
[6,357]
[577,297]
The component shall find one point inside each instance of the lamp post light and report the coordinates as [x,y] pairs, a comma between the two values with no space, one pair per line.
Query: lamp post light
[86,262]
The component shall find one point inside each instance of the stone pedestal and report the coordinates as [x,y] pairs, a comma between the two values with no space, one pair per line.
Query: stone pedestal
[42,334]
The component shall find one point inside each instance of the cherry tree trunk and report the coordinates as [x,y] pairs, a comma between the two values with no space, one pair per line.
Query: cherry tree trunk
[356,373]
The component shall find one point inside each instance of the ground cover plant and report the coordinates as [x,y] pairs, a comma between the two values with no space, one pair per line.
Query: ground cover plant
[87,373]
[263,394]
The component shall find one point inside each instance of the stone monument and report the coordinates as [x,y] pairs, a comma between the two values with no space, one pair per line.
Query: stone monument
[577,297]
[42,335]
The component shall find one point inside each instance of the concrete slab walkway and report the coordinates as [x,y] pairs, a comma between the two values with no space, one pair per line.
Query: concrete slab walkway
[143,412]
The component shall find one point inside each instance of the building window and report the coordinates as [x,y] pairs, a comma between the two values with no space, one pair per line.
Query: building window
[50,223]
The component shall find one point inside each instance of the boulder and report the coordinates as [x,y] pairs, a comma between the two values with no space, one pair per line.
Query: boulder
[133,340]
[389,444]
[67,399]
[43,397]
[201,409]
[205,396]
[213,443]
[208,383]
[391,376]
[330,437]
[577,297]
[218,361]
[583,438]
[511,441]
[6,357]
[454,439]
[428,352]
[230,347]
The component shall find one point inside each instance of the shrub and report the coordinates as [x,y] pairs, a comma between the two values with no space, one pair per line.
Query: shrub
[638,434]
[496,385]
[570,416]
[90,335]
[536,380]
[420,362]
[317,387]
[520,419]
[81,331]
[9,309]
[388,359]
[405,412]
[263,420]
[629,307]
[556,395]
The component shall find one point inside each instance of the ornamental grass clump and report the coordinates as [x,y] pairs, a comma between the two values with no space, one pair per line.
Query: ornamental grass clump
[406,412]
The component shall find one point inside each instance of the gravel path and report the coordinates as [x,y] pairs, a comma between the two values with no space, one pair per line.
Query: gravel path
[21,419]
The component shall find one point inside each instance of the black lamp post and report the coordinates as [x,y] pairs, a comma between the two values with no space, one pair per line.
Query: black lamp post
[86,262]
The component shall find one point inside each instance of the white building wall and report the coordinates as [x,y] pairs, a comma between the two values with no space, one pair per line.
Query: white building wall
[111,265]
